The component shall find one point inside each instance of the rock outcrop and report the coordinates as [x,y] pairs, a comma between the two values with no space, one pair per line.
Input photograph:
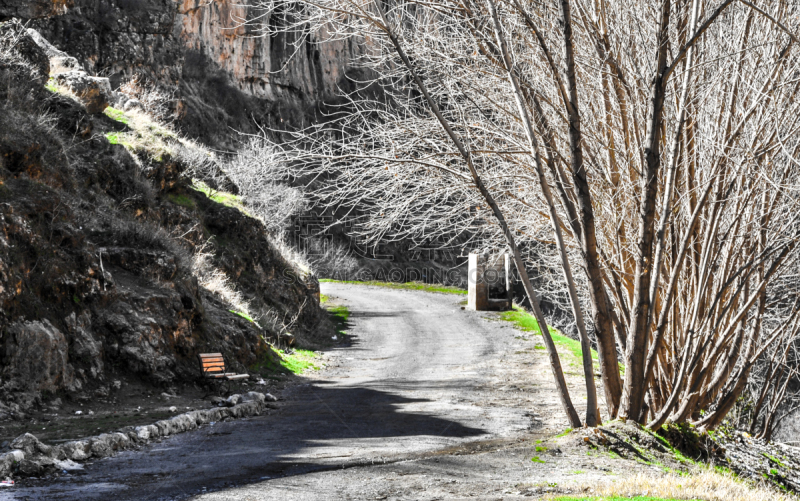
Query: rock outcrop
[96,244]
[36,355]
[225,73]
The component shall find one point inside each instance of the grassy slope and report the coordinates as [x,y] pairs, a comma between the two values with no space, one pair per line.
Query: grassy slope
[221,197]
[526,322]
[301,360]
[146,135]
[417,286]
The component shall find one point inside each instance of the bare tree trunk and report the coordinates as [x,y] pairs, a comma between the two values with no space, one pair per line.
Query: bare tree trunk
[634,389]
[604,329]
[666,211]
[592,418]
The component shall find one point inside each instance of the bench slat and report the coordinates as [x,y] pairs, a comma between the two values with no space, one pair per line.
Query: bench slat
[213,366]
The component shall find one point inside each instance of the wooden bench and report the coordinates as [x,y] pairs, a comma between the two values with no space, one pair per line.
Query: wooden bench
[213,366]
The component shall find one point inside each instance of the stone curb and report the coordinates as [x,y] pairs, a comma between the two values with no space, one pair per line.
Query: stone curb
[30,457]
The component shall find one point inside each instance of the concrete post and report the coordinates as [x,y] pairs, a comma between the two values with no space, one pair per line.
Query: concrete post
[477,291]
[478,287]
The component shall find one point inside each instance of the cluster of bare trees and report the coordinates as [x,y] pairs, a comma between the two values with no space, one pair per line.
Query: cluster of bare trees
[650,145]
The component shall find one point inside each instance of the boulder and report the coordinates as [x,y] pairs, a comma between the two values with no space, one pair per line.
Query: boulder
[30,445]
[60,62]
[9,461]
[165,427]
[146,433]
[233,400]
[78,450]
[68,465]
[106,444]
[93,92]
[36,355]
[200,417]
[29,468]
[142,433]
[217,401]
[253,396]
[182,423]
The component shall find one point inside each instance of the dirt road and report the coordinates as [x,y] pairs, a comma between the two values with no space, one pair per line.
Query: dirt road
[422,382]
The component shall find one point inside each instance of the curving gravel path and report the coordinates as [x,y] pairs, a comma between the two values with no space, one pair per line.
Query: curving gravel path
[421,378]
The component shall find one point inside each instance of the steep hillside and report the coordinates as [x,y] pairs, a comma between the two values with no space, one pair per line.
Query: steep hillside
[112,265]
[224,75]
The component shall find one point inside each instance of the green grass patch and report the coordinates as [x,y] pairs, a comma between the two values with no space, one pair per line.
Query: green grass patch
[120,138]
[416,286]
[541,449]
[323,299]
[51,86]
[528,323]
[774,460]
[117,115]
[564,433]
[221,197]
[114,137]
[182,200]
[243,315]
[339,316]
[298,361]
[536,459]
[340,312]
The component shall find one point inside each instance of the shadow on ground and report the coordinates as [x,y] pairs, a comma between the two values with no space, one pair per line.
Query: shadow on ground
[313,425]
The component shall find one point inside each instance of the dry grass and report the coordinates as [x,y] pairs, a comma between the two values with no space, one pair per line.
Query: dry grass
[703,483]
[217,281]
[331,259]
[145,135]
[157,101]
[149,137]
[290,254]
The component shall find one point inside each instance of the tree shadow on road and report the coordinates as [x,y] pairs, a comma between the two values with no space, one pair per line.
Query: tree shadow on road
[297,440]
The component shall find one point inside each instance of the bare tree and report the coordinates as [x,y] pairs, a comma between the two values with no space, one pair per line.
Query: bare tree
[650,145]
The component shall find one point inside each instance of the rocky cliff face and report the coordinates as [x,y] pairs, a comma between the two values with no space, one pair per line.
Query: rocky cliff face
[225,74]
[98,250]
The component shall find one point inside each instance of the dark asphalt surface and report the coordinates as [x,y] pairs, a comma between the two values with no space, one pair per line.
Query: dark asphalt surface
[411,383]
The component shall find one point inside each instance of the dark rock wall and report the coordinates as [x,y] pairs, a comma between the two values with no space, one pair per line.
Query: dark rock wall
[225,74]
